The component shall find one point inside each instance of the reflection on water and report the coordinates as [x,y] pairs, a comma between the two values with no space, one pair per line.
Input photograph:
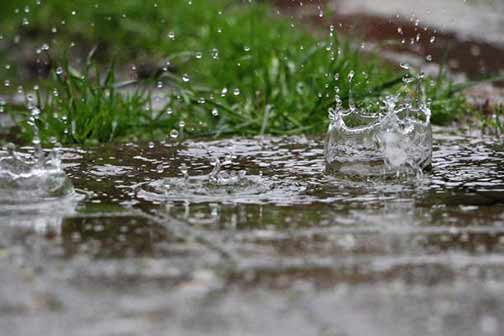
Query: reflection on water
[161,245]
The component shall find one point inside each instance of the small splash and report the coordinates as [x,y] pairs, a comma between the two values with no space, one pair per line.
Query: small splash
[35,193]
[395,140]
[219,186]
[110,170]
[31,176]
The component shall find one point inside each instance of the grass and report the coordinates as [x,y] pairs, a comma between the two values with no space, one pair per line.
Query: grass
[493,118]
[221,67]
[82,107]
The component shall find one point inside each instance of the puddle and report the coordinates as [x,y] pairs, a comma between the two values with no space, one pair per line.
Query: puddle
[164,240]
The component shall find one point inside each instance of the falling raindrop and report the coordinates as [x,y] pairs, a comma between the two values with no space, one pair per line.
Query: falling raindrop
[174,134]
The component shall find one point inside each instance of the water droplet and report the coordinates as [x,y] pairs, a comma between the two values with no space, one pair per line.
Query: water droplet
[404,66]
[174,134]
[215,53]
[2,104]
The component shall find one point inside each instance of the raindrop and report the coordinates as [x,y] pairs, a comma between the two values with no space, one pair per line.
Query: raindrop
[215,53]
[174,134]
[2,104]
[405,66]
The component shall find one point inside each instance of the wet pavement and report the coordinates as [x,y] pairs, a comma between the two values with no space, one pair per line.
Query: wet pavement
[152,242]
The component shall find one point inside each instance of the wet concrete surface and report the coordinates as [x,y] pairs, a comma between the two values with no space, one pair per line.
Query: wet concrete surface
[318,256]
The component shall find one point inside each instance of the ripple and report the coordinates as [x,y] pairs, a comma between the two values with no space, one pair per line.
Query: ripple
[229,188]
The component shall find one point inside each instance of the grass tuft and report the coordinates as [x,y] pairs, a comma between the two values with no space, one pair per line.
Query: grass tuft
[220,68]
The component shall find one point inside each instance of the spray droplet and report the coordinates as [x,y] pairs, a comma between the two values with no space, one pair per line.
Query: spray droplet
[215,53]
[174,134]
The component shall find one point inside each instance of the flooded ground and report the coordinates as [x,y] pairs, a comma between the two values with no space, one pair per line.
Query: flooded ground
[157,239]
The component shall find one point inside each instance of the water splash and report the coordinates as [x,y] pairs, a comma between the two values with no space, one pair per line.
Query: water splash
[32,175]
[226,186]
[29,177]
[394,140]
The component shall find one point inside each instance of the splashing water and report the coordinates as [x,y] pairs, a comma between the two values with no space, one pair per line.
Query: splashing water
[395,140]
[31,176]
[219,185]
[35,193]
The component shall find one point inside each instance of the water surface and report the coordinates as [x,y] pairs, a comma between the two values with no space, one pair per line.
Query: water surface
[149,245]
